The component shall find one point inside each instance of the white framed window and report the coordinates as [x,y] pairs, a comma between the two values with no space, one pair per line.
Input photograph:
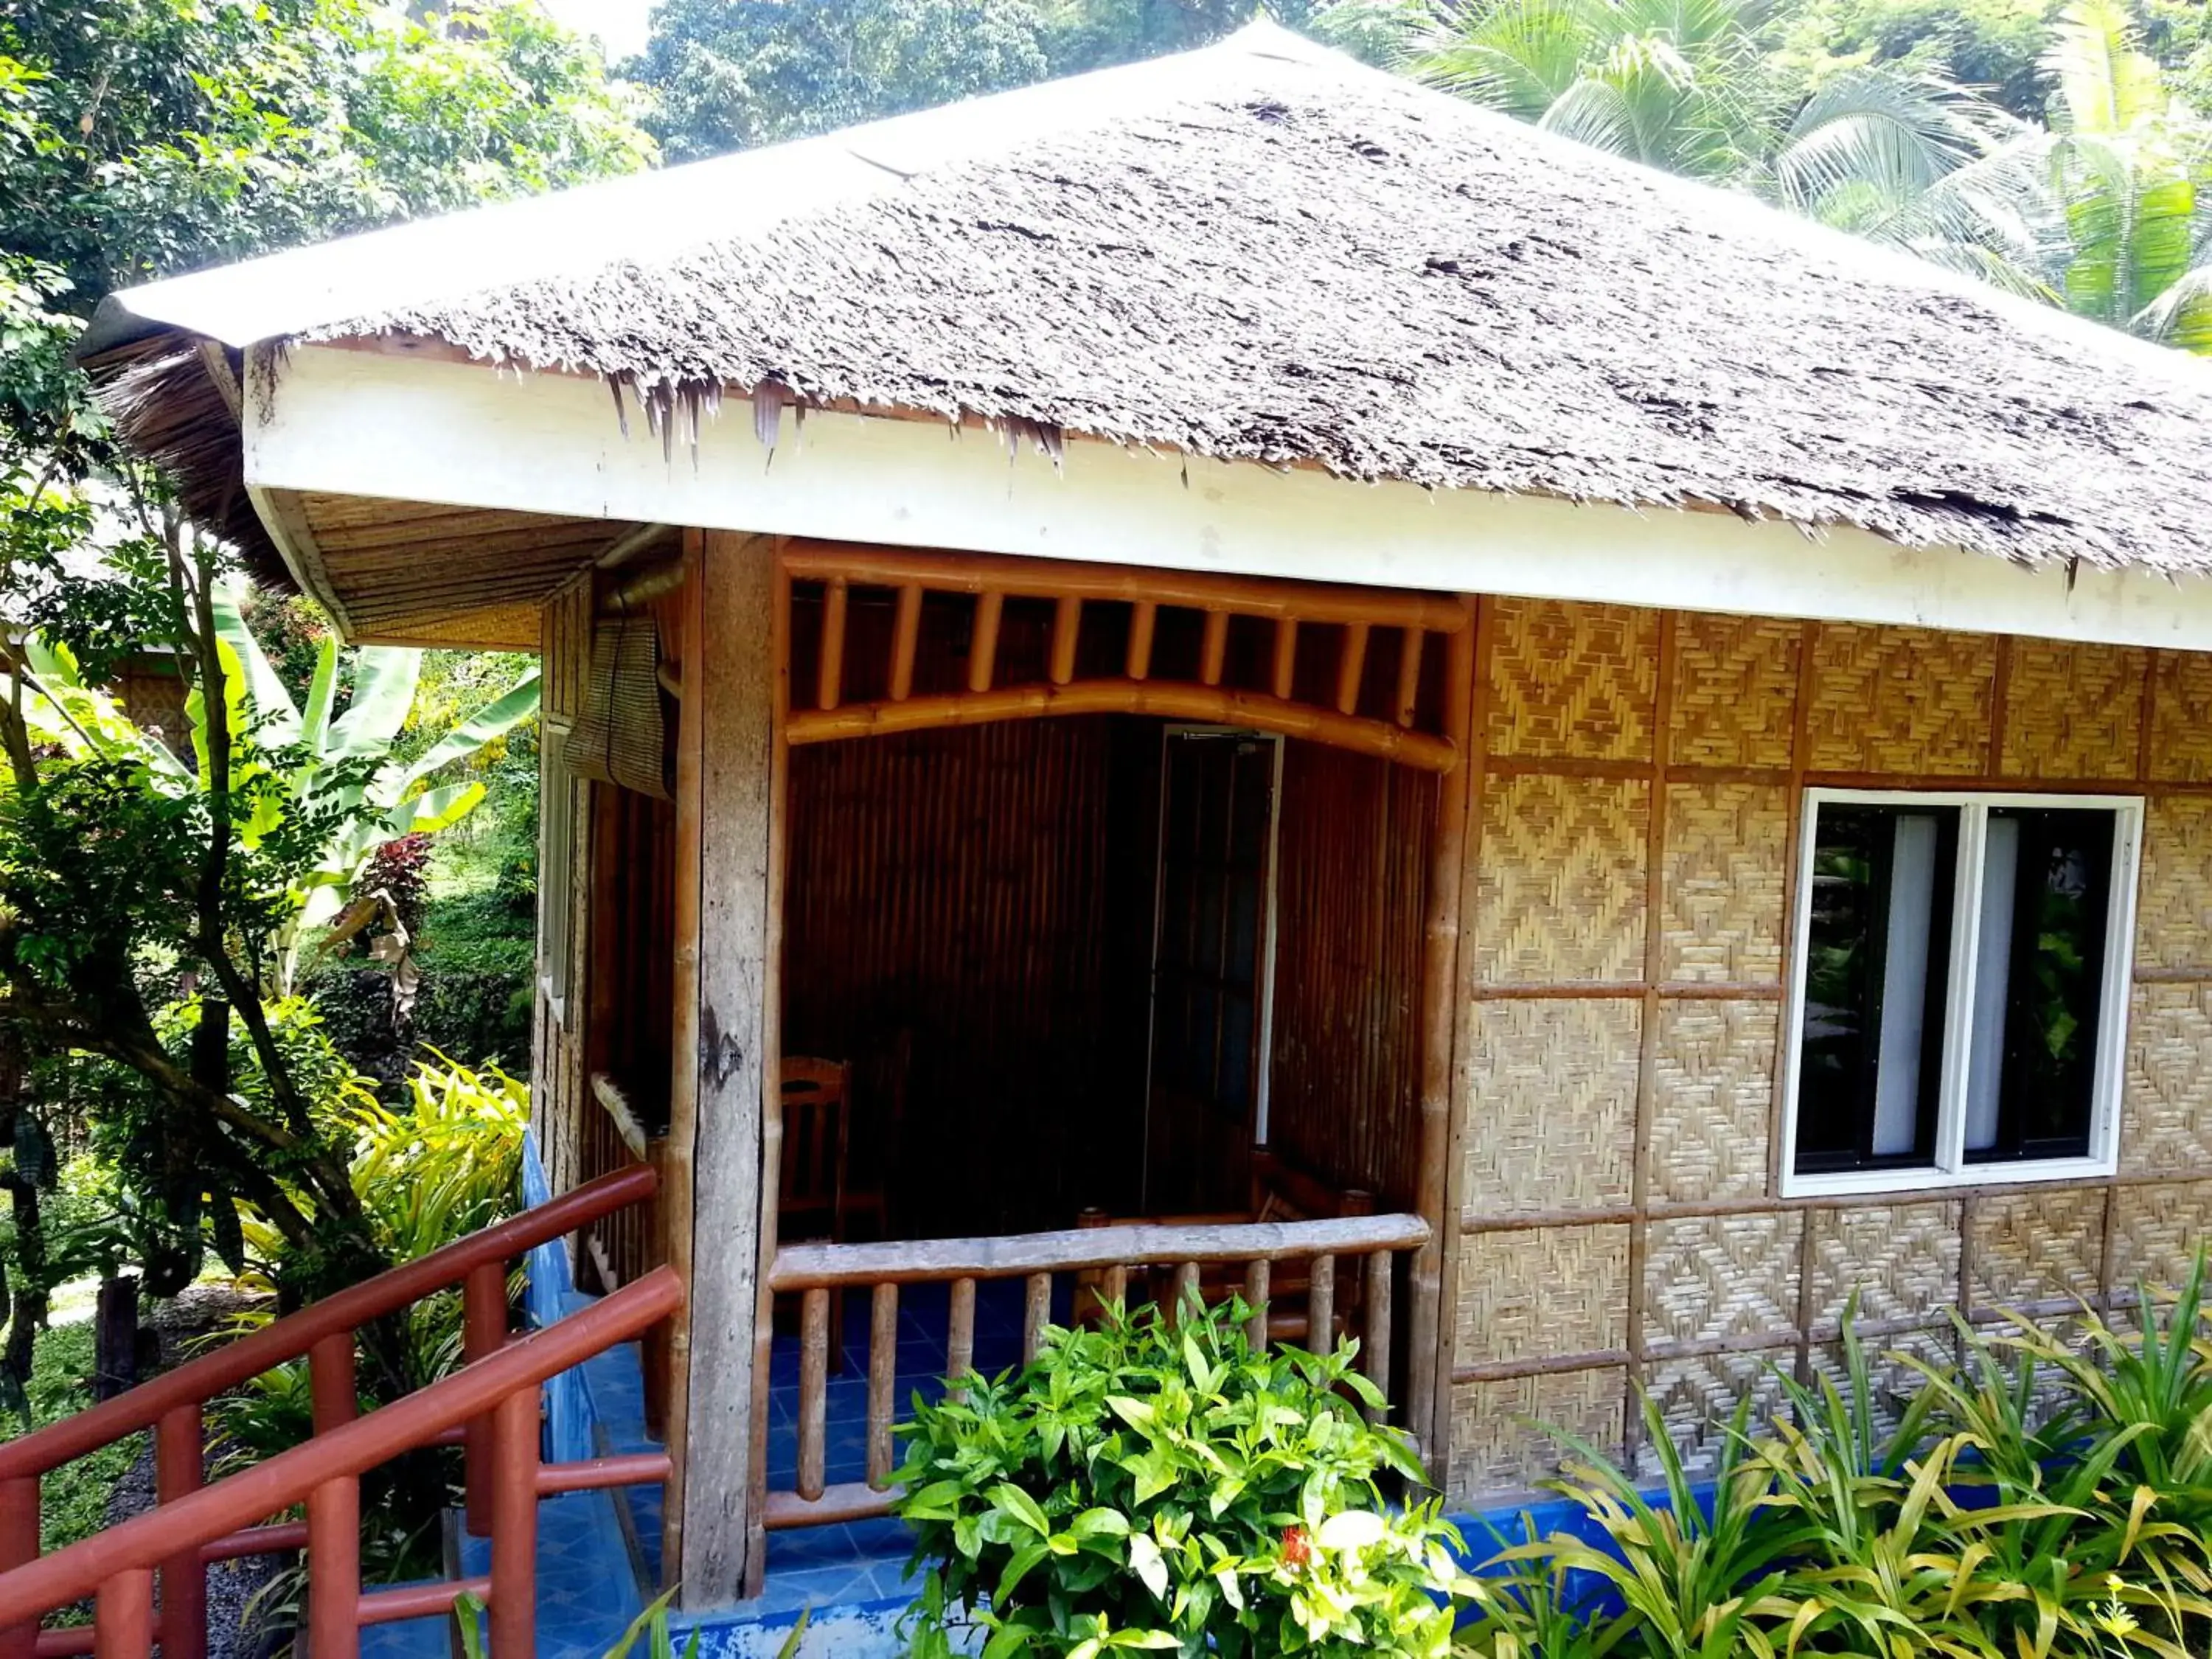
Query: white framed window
[1959,985]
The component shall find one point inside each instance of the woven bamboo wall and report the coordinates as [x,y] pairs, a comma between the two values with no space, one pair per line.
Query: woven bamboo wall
[559,1092]
[1637,790]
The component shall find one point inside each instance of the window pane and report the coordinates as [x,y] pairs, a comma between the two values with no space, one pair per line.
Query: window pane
[1878,951]
[2039,990]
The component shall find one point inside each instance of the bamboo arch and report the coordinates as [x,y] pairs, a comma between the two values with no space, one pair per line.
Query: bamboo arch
[1395,733]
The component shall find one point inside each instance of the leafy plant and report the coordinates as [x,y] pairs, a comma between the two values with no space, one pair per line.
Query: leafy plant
[1149,1485]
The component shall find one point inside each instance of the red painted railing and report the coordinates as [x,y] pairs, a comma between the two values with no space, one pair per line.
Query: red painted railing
[490,1407]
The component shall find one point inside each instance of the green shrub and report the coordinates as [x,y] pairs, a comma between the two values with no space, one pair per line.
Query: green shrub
[1144,1486]
[73,1499]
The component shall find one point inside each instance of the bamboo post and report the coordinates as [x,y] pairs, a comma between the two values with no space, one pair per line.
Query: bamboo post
[483,1328]
[1256,1298]
[1287,656]
[179,1453]
[813,1389]
[983,643]
[906,637]
[1114,1283]
[1409,674]
[960,1329]
[830,672]
[334,1569]
[123,1616]
[1320,1305]
[514,1599]
[1036,1310]
[883,1380]
[1374,1353]
[1186,1291]
[1213,648]
[1066,627]
[1144,618]
[1350,666]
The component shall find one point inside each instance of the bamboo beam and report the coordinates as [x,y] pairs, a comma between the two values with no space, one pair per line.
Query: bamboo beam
[1037,1311]
[1375,1351]
[1066,627]
[1220,705]
[829,674]
[1213,648]
[1285,668]
[906,637]
[1144,618]
[1351,665]
[983,643]
[1249,596]
[1409,673]
[960,1329]
[1256,1299]
[813,1391]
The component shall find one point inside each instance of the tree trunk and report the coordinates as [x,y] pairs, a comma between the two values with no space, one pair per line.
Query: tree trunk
[115,1338]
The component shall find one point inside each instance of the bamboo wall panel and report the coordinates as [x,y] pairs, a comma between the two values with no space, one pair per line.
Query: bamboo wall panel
[2156,1230]
[1525,1155]
[1907,701]
[1696,1393]
[1901,1260]
[1351,891]
[1708,1277]
[1494,1448]
[559,1084]
[1545,1290]
[2072,710]
[2166,1125]
[1713,1095]
[1728,853]
[2181,717]
[2036,1246]
[1559,893]
[2173,899]
[1572,680]
[1735,691]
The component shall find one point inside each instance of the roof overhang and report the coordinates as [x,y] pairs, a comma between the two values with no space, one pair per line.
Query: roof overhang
[336,422]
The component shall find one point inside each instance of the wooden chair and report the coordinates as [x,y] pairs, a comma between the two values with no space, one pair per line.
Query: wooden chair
[817,1140]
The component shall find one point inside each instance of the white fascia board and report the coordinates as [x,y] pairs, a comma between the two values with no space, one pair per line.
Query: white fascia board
[351,421]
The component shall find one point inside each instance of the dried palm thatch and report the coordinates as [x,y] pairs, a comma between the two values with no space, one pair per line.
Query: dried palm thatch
[1291,259]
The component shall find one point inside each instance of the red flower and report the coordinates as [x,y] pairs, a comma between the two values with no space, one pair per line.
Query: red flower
[1297,1549]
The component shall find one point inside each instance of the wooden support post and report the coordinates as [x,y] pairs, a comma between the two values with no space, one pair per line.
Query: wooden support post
[123,1616]
[1351,667]
[1037,1312]
[983,642]
[1186,1291]
[334,1569]
[1287,656]
[960,1329]
[883,1382]
[331,1400]
[830,672]
[906,639]
[18,1548]
[1256,1298]
[1113,1285]
[1067,629]
[1213,647]
[1375,1351]
[180,1451]
[721,1130]
[1320,1305]
[1409,674]
[1144,618]
[483,1330]
[813,1390]
[513,1599]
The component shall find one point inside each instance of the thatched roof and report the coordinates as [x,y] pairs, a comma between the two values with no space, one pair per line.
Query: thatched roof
[1267,252]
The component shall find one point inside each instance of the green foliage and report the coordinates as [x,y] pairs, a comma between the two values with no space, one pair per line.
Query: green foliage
[73,1499]
[2046,1498]
[1142,1485]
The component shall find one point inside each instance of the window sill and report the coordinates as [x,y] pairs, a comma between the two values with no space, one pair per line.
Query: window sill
[1880,1183]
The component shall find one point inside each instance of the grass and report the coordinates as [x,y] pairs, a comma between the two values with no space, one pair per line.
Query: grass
[73,1499]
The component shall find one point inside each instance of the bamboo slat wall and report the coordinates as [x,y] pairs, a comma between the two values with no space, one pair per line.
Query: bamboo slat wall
[1638,797]
[559,1092]
[1351,879]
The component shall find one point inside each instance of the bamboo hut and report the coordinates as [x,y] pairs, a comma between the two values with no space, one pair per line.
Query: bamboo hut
[1234,674]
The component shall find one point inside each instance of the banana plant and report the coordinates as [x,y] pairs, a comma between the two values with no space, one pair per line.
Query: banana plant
[286,759]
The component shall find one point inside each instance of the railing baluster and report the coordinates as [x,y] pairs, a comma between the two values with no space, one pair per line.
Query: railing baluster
[1320,1305]
[829,671]
[18,1548]
[1256,1298]
[178,1463]
[1374,1351]
[1286,655]
[883,1380]
[1213,647]
[813,1390]
[483,1328]
[960,1330]
[1144,616]
[1186,1291]
[123,1615]
[1115,1285]
[906,636]
[334,1569]
[1037,1309]
[514,1603]
[1409,674]
[333,1399]
[983,641]
[1351,666]
[1067,629]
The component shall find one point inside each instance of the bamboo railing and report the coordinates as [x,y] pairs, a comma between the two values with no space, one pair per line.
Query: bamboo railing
[813,1272]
